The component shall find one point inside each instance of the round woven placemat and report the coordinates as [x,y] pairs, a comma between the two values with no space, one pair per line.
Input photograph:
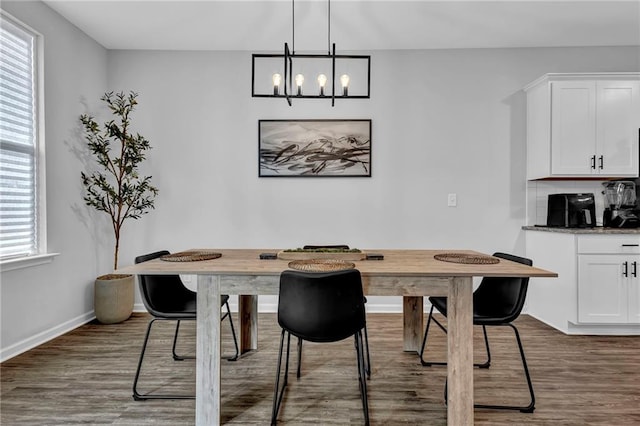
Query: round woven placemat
[466,258]
[191,256]
[320,265]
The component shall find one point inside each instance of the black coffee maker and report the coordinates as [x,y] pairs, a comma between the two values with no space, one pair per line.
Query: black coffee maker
[621,210]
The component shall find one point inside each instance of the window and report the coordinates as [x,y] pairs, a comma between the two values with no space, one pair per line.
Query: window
[21,230]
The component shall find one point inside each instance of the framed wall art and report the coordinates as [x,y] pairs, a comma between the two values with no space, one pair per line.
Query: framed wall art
[320,148]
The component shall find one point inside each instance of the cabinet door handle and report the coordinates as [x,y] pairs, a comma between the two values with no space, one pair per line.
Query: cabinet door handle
[631,245]
[625,271]
[593,162]
[601,159]
[634,272]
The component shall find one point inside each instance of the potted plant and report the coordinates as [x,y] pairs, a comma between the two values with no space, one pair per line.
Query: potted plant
[116,189]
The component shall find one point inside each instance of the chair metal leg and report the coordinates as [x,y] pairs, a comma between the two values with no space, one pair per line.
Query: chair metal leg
[299,357]
[233,334]
[177,357]
[425,363]
[532,403]
[141,397]
[524,409]
[366,343]
[234,357]
[487,363]
[424,341]
[368,356]
[362,379]
[279,393]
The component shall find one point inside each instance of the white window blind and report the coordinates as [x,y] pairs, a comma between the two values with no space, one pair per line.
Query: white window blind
[18,144]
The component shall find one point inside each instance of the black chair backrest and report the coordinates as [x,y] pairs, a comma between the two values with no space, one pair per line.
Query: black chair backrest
[499,297]
[321,306]
[161,292]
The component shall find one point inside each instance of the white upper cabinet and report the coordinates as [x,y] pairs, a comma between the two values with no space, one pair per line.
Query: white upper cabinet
[617,126]
[573,128]
[583,125]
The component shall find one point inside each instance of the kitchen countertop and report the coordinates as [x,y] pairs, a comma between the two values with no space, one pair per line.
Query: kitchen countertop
[596,230]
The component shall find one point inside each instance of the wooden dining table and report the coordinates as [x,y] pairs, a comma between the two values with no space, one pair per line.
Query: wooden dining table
[411,274]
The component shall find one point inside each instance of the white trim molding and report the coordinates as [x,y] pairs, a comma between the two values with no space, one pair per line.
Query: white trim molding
[45,336]
[27,261]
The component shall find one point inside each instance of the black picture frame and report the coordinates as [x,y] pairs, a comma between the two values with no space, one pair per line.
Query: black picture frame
[314,148]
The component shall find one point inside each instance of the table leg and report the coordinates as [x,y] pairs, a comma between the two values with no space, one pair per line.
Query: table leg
[208,351]
[460,352]
[248,312]
[412,309]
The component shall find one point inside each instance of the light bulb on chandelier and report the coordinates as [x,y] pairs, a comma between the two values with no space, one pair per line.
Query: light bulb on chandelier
[322,81]
[299,81]
[277,79]
[344,80]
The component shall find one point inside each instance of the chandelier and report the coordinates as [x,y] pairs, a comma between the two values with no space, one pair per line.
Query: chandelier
[278,73]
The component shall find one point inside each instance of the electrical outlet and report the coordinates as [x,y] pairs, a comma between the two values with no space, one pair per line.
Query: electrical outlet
[452,200]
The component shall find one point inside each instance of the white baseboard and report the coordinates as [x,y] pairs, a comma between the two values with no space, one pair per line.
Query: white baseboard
[272,307]
[262,307]
[45,336]
[372,308]
[139,307]
[383,308]
[604,329]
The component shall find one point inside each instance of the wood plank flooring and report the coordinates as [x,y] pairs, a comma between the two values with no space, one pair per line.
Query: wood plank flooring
[85,377]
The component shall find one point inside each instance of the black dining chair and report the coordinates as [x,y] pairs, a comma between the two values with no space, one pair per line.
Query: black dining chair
[166,298]
[497,301]
[366,334]
[320,307]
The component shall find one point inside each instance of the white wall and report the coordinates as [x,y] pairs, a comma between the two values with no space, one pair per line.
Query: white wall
[443,121]
[43,301]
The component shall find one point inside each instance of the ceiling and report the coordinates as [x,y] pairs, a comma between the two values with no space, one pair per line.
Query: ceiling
[355,24]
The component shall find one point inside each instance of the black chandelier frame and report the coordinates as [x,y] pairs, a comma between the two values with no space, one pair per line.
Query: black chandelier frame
[288,58]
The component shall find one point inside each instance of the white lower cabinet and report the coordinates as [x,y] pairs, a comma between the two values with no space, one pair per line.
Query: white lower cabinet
[597,290]
[634,294]
[608,279]
[608,289]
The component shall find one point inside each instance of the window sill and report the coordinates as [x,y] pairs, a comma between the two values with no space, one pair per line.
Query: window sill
[27,261]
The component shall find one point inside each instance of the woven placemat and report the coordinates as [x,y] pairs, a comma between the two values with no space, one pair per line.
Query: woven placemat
[320,265]
[191,256]
[466,258]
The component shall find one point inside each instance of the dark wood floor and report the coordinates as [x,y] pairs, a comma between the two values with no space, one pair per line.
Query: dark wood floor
[85,377]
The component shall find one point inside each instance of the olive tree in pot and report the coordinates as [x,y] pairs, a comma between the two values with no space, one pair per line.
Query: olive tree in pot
[116,189]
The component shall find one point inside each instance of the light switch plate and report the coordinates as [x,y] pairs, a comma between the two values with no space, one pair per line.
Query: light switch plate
[452,200]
